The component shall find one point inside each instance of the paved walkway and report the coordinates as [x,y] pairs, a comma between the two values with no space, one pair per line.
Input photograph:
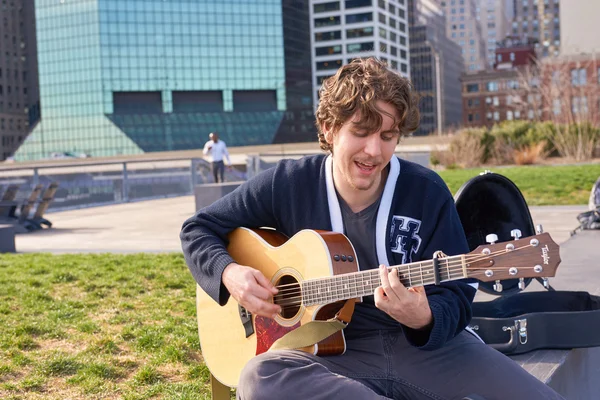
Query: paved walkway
[153,226]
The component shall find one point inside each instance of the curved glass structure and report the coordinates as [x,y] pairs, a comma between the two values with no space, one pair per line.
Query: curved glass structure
[125,77]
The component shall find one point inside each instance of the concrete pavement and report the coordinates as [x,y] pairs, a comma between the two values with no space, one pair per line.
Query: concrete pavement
[153,226]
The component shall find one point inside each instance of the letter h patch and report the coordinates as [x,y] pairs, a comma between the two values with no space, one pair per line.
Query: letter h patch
[404,238]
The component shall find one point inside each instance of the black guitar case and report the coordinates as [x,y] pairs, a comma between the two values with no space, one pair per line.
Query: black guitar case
[517,322]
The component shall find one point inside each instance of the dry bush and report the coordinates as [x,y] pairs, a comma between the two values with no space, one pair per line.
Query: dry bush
[530,154]
[576,141]
[441,157]
[501,152]
[467,149]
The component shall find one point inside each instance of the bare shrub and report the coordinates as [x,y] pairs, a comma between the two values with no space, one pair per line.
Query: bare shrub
[576,141]
[467,148]
[530,154]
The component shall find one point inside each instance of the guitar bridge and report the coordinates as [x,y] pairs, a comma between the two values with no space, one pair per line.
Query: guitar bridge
[246,318]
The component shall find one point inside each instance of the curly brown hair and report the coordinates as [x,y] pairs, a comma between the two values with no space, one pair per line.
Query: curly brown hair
[356,87]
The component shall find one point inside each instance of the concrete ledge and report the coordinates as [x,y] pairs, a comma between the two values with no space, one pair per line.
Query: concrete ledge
[7,239]
[208,193]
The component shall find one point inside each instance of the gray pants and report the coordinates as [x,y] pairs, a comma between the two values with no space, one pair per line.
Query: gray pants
[218,170]
[384,365]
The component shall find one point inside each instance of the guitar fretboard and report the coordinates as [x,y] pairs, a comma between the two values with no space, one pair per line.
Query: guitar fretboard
[342,287]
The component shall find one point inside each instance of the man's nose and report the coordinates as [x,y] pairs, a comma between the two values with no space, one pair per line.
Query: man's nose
[373,145]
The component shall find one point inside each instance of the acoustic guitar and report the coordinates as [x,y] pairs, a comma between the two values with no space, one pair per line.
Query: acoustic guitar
[317,271]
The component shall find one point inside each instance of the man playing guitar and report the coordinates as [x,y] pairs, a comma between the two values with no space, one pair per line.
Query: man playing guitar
[401,343]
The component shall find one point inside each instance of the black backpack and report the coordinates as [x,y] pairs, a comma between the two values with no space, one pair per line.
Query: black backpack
[591,219]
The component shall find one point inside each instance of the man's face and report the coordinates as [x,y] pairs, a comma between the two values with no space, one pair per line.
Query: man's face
[359,157]
[214,137]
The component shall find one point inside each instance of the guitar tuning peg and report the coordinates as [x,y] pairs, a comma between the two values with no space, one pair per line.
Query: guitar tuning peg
[516,234]
[491,238]
[498,286]
[546,283]
[521,283]
[539,229]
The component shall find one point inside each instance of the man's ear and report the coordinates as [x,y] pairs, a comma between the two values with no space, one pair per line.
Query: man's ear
[327,132]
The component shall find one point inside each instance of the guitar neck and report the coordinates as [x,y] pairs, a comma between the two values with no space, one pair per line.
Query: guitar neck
[342,287]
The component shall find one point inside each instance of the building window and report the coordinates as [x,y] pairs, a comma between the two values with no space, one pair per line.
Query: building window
[320,79]
[358,3]
[472,87]
[325,7]
[496,101]
[329,21]
[325,36]
[578,76]
[512,56]
[492,86]
[496,116]
[325,65]
[359,32]
[579,105]
[356,18]
[328,50]
[470,117]
[509,115]
[556,107]
[359,47]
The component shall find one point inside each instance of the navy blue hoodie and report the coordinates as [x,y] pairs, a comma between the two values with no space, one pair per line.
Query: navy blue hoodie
[416,217]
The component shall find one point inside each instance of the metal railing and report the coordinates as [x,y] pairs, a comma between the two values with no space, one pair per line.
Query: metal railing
[102,183]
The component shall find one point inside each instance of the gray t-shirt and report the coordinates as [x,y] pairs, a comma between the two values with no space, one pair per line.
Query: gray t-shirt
[360,229]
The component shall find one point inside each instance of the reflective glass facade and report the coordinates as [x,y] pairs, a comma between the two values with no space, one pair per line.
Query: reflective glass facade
[125,77]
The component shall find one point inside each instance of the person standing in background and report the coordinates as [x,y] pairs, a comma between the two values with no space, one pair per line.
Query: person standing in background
[217,150]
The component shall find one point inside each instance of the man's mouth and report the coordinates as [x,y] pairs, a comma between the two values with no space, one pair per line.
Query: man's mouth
[365,166]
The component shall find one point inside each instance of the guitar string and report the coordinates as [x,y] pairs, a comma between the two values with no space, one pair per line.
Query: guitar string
[406,279]
[454,265]
[296,289]
[449,268]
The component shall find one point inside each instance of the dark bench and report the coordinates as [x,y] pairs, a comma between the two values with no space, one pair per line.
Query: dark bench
[7,238]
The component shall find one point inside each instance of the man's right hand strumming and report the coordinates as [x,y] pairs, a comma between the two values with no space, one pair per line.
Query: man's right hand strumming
[251,289]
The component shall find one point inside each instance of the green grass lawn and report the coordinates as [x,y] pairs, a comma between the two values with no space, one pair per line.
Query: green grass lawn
[541,185]
[99,326]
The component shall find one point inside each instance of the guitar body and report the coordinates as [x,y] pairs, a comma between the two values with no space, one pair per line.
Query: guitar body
[228,344]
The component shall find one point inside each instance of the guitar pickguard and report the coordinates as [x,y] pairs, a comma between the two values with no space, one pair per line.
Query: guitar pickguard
[268,331]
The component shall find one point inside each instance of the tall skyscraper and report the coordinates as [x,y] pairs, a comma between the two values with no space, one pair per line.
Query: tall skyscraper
[463,27]
[538,21]
[579,27]
[436,65]
[346,29]
[125,77]
[19,97]
[495,17]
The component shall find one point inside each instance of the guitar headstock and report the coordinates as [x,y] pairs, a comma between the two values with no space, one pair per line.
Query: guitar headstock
[530,257]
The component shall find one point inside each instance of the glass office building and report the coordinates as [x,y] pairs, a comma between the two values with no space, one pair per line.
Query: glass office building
[126,77]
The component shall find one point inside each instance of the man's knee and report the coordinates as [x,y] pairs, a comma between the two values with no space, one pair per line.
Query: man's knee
[268,375]
[256,379]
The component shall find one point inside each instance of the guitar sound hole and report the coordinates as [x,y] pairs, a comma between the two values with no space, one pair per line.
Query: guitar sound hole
[289,296]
